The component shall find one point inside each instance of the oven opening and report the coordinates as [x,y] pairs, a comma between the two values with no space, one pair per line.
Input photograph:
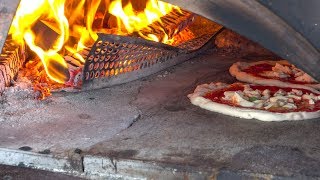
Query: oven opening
[73,46]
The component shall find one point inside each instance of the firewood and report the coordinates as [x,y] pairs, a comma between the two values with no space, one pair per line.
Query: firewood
[12,58]
[46,34]
[75,66]
[170,24]
[73,61]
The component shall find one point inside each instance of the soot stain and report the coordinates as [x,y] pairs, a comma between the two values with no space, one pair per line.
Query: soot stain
[46,151]
[84,116]
[122,154]
[174,108]
[25,148]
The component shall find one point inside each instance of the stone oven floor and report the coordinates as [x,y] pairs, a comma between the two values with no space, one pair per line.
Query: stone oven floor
[148,128]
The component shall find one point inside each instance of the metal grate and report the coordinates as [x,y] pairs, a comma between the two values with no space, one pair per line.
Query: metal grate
[196,43]
[117,59]
[113,55]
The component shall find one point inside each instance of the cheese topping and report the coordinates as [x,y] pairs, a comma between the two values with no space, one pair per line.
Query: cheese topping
[286,71]
[264,100]
[218,97]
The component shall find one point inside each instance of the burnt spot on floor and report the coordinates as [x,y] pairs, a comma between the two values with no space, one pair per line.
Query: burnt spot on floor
[122,154]
[84,116]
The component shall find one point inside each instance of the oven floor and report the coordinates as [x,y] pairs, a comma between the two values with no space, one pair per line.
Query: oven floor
[148,128]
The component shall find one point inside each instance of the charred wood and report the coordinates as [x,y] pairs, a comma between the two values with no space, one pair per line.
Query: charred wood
[46,34]
[170,24]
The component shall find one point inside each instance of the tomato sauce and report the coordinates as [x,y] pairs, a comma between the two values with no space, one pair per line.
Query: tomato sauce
[217,95]
[302,105]
[255,70]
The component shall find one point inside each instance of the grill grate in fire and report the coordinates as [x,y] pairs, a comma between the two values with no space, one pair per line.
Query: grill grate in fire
[118,59]
[112,55]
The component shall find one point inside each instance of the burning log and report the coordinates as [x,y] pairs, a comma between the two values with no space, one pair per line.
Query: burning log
[12,58]
[43,85]
[162,29]
[46,34]
[75,65]
[170,25]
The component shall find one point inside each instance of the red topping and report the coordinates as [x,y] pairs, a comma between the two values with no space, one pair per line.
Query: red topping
[302,105]
[217,95]
[255,70]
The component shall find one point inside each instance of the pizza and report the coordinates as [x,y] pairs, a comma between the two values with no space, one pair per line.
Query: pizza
[277,73]
[262,102]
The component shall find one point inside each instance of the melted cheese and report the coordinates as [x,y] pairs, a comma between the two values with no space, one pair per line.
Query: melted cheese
[198,98]
[297,92]
[282,69]
[258,99]
[290,106]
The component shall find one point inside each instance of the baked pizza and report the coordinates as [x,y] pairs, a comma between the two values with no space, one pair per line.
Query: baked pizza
[262,102]
[276,73]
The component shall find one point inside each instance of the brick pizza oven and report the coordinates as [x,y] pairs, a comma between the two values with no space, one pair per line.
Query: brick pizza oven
[264,22]
[125,112]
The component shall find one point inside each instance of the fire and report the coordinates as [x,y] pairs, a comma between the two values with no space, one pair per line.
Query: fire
[21,29]
[134,21]
[72,22]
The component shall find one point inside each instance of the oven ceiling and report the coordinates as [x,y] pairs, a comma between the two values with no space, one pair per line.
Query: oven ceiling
[288,28]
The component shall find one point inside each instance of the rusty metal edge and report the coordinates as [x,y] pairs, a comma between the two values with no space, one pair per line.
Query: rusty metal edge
[102,167]
[47,162]
[118,168]
[8,9]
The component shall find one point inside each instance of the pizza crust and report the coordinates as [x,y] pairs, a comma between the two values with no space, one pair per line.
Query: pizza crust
[197,98]
[236,71]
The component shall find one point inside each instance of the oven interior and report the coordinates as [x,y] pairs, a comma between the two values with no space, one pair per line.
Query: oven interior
[116,105]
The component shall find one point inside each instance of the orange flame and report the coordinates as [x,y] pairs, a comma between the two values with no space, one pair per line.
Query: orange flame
[21,29]
[73,26]
[136,21]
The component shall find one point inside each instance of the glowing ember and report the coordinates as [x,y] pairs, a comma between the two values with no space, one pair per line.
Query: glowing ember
[42,85]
